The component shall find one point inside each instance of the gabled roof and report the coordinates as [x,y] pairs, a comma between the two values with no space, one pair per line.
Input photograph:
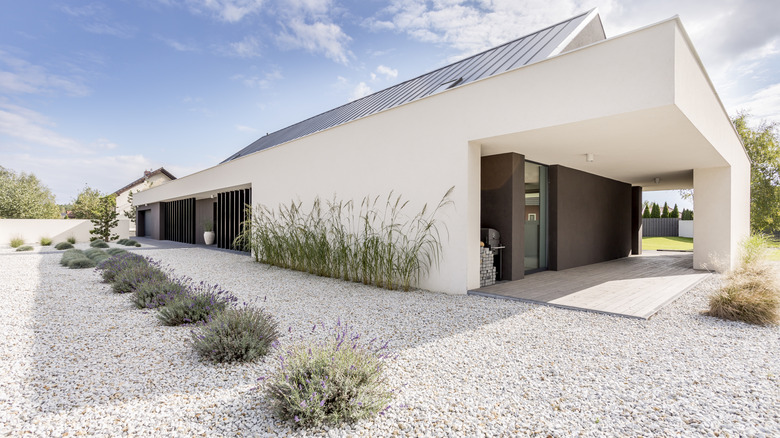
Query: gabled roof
[147,174]
[525,50]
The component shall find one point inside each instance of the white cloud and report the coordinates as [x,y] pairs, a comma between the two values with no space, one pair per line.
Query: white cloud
[33,130]
[262,82]
[763,104]
[243,128]
[177,45]
[249,47]
[18,76]
[319,37]
[468,26]
[387,72]
[230,11]
[360,90]
[96,18]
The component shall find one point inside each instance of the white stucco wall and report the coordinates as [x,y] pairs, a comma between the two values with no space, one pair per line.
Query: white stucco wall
[722,218]
[59,230]
[685,229]
[421,149]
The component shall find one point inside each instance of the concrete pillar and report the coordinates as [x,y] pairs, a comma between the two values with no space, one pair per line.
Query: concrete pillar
[503,207]
[721,218]
[636,220]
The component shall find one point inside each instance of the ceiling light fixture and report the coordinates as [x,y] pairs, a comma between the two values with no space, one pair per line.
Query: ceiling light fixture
[589,158]
[656,180]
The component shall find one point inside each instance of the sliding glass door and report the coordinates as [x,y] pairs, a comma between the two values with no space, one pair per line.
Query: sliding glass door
[535,217]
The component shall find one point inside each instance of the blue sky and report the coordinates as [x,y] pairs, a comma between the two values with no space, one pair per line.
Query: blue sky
[95,92]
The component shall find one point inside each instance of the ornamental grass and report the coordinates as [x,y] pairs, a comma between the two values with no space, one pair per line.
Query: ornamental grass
[374,243]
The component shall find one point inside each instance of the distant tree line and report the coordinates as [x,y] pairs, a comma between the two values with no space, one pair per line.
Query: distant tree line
[653,210]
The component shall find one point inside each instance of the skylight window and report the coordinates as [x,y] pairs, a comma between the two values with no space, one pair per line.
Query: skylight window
[447,85]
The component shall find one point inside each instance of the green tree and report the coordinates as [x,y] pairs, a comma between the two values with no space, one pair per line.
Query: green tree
[130,214]
[656,211]
[23,196]
[87,203]
[675,212]
[646,213]
[665,211]
[687,215]
[763,148]
[105,218]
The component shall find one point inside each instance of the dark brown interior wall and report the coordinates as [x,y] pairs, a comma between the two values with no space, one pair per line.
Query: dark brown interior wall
[503,201]
[156,222]
[590,218]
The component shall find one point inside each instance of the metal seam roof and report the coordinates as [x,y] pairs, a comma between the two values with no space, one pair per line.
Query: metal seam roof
[522,51]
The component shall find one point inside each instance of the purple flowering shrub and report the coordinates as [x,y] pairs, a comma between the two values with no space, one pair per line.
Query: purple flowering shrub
[111,266]
[157,292]
[133,275]
[236,335]
[198,304]
[340,380]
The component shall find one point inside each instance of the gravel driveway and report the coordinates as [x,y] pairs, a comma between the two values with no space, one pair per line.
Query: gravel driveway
[76,358]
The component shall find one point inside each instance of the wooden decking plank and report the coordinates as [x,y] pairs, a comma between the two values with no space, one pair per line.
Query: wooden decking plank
[637,286]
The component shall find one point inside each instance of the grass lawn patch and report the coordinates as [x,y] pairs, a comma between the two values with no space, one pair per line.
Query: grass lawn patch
[668,243]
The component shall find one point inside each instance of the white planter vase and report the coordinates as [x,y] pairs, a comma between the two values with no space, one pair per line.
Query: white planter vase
[208,237]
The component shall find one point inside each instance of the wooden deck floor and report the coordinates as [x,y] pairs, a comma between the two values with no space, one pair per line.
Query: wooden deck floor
[636,286]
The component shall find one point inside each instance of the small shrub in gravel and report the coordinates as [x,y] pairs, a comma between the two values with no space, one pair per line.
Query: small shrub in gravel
[158,292]
[45,241]
[63,245]
[137,245]
[25,248]
[112,266]
[81,263]
[71,240]
[16,242]
[115,251]
[71,254]
[92,252]
[131,242]
[751,292]
[98,244]
[133,275]
[121,241]
[199,304]
[236,335]
[340,380]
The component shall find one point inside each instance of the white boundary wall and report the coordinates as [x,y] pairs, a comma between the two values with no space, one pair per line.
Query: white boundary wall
[31,230]
[685,229]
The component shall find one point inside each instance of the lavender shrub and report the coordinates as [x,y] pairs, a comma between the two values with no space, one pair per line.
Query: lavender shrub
[340,380]
[199,304]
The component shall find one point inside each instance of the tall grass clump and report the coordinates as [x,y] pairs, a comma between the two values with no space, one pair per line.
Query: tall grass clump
[239,334]
[751,292]
[374,243]
[63,246]
[340,380]
[16,242]
[198,304]
[71,240]
[158,292]
[112,266]
[45,241]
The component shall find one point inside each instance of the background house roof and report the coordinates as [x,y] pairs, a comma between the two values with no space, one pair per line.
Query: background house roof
[525,50]
[147,174]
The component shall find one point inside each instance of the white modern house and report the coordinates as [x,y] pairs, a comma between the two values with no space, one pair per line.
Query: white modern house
[563,123]
[151,178]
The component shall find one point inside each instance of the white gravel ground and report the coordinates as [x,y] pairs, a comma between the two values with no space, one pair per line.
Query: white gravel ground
[77,359]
